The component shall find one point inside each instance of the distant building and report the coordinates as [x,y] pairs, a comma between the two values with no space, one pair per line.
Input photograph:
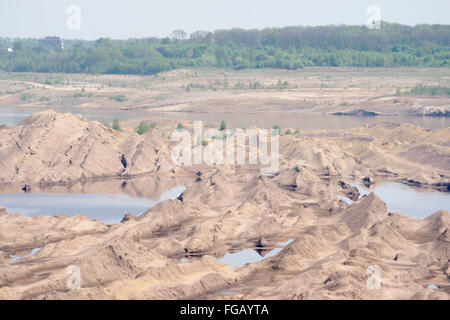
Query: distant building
[55,42]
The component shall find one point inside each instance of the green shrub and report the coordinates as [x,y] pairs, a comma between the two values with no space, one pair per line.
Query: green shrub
[116,125]
[276,130]
[142,128]
[223,125]
[119,98]
[25,96]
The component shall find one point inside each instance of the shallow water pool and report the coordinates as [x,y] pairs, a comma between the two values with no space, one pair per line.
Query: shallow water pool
[241,258]
[109,208]
[407,200]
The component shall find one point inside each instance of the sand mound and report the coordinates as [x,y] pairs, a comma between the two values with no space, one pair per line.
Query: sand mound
[49,147]
[364,213]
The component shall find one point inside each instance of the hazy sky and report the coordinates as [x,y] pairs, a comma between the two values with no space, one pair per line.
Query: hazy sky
[146,18]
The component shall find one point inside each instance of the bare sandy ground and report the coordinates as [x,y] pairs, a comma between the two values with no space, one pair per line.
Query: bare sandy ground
[171,251]
[312,90]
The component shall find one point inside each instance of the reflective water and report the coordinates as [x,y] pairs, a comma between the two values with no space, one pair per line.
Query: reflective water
[407,200]
[15,258]
[241,258]
[12,116]
[109,208]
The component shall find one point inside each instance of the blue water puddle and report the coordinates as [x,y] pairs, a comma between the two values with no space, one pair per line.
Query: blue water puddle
[405,199]
[15,258]
[345,199]
[109,208]
[241,258]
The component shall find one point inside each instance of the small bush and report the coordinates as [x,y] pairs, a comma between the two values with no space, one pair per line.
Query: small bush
[116,125]
[276,130]
[119,98]
[180,126]
[142,128]
[223,125]
[25,96]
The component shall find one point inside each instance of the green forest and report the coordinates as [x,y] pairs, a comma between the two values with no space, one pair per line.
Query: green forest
[290,48]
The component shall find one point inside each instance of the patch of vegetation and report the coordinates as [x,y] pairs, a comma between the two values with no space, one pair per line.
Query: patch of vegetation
[25,96]
[82,95]
[119,98]
[256,85]
[223,125]
[105,123]
[424,90]
[13,91]
[394,45]
[276,130]
[116,125]
[195,85]
[282,84]
[144,127]
[180,126]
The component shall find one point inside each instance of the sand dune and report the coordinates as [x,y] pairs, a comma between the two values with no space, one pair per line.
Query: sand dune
[172,250]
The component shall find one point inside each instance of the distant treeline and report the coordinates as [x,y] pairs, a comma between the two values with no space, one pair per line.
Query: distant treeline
[289,48]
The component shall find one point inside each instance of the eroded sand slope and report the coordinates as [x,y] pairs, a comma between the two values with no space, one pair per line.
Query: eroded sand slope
[171,251]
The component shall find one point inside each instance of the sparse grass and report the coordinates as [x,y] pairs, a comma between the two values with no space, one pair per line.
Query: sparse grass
[82,95]
[119,98]
[195,86]
[424,90]
[25,96]
[282,84]
[13,91]
[144,127]
[105,123]
[256,85]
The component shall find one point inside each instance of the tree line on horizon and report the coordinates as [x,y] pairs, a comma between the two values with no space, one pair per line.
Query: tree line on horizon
[290,48]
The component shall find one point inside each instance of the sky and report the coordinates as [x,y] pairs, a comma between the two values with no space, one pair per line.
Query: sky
[122,19]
